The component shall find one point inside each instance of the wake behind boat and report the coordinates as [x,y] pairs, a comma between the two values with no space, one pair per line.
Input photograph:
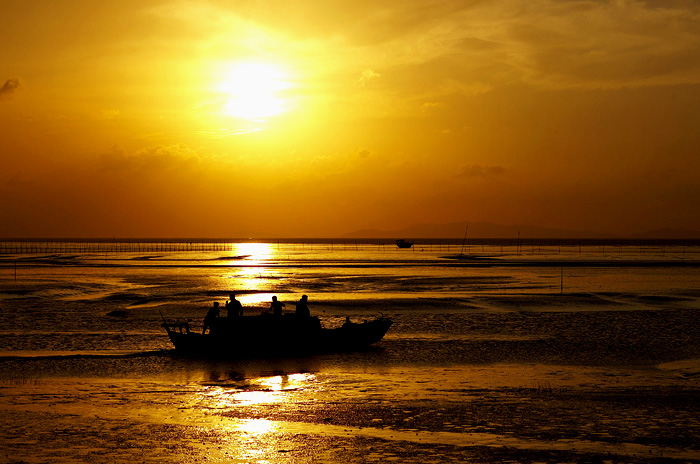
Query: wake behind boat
[266,335]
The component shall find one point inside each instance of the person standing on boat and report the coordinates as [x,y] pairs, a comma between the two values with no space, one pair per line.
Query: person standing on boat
[276,307]
[302,311]
[211,316]
[234,308]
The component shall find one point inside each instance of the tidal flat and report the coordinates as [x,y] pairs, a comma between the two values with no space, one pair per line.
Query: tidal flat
[504,363]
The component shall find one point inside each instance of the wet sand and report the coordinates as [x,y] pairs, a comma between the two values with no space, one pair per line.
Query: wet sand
[221,412]
[485,364]
[487,384]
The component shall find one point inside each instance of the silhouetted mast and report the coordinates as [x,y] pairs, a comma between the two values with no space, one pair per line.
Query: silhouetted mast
[464,240]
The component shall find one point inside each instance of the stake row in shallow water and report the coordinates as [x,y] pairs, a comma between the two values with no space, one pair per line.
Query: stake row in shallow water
[473,247]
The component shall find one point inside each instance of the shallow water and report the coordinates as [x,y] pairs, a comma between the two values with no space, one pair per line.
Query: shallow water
[532,356]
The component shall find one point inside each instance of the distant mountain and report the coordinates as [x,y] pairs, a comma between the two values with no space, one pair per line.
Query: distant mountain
[476,230]
[672,234]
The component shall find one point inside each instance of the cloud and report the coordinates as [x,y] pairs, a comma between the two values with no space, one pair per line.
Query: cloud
[454,46]
[608,44]
[428,50]
[9,87]
[480,170]
[152,159]
[110,115]
[427,106]
[366,76]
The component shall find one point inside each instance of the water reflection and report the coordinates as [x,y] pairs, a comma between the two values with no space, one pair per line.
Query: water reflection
[223,393]
[252,275]
[256,426]
[288,381]
[255,252]
[248,436]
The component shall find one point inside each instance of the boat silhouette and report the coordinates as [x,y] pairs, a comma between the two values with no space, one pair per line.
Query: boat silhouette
[266,335]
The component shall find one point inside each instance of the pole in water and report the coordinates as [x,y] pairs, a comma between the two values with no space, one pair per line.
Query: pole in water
[464,240]
[561,281]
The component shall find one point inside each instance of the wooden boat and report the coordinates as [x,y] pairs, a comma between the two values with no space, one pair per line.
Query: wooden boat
[401,243]
[267,336]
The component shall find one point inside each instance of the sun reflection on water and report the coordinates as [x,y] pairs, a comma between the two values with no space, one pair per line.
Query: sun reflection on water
[256,426]
[251,275]
[260,391]
[251,438]
[254,252]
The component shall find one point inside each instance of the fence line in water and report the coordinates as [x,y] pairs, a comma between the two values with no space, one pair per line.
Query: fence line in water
[475,246]
[48,247]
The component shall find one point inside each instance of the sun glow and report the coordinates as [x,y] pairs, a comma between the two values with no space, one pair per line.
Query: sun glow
[254,90]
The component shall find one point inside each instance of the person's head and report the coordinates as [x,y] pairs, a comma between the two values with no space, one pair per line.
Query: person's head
[216,304]
[304,298]
[232,296]
[274,298]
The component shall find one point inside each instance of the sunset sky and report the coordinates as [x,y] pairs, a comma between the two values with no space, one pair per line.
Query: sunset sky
[313,119]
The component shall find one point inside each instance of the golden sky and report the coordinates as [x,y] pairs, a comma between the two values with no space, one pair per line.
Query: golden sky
[313,119]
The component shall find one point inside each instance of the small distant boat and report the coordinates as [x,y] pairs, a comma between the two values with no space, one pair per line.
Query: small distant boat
[401,243]
[265,336]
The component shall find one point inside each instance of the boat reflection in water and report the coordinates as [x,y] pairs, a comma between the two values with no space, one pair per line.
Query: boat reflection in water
[239,410]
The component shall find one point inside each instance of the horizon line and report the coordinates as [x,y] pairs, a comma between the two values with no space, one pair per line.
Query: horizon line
[340,239]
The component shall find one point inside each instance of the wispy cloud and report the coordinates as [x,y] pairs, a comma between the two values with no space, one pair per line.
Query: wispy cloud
[9,87]
[549,43]
[152,159]
[367,75]
[480,170]
[467,47]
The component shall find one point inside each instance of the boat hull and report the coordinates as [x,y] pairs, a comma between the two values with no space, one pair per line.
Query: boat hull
[268,336]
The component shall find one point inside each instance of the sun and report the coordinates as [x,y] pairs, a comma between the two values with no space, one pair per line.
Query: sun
[254,90]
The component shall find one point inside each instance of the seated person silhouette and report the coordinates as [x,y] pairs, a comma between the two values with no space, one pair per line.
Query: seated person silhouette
[212,314]
[276,307]
[302,310]
[234,308]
